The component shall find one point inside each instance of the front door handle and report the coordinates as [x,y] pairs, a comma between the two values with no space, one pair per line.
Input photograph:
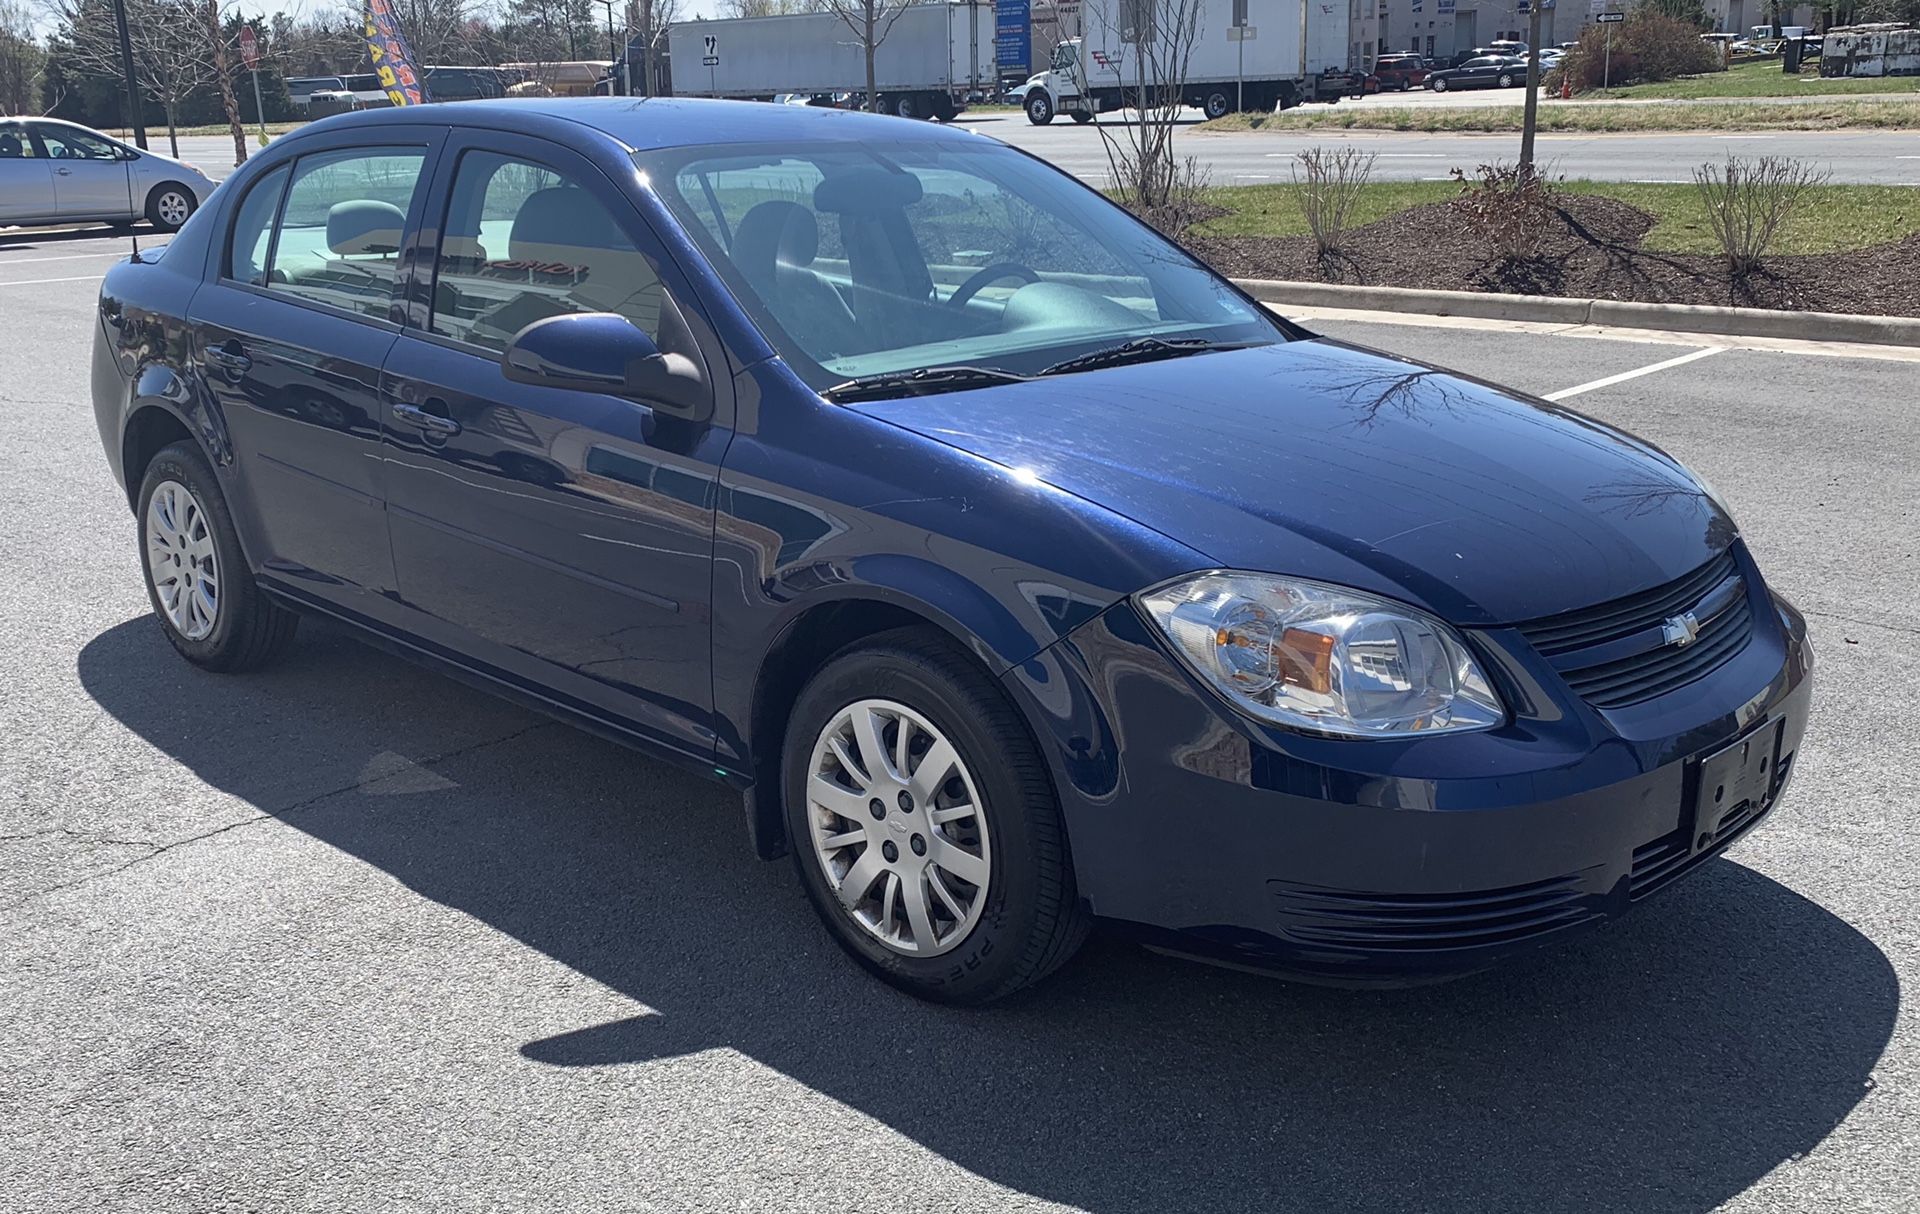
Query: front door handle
[230,358]
[64,172]
[414,415]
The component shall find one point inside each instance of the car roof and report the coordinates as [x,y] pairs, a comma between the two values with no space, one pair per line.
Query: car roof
[648,123]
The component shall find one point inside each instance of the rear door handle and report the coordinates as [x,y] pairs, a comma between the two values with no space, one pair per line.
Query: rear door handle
[229,357]
[414,415]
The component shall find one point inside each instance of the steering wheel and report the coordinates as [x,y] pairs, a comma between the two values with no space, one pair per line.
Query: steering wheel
[986,274]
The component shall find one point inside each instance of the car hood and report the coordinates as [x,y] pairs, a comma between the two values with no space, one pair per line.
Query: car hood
[1327,461]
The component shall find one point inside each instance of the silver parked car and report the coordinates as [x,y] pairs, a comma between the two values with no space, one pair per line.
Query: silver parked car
[59,172]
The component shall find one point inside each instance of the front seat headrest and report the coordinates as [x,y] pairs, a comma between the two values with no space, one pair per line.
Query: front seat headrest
[562,215]
[775,233]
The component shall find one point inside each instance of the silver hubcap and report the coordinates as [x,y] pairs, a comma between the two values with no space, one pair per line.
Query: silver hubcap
[173,207]
[181,560]
[897,827]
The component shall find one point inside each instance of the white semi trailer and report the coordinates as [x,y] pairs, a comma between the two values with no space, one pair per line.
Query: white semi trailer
[1281,53]
[932,59]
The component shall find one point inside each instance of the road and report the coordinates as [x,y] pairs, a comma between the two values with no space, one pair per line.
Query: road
[1247,158]
[347,936]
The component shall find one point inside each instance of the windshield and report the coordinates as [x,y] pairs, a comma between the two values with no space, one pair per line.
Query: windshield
[1063,56]
[872,259]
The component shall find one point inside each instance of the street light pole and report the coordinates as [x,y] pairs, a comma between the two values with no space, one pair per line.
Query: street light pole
[613,40]
[134,119]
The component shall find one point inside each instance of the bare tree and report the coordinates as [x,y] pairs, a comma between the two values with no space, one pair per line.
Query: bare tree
[1147,44]
[21,61]
[1327,183]
[222,64]
[871,21]
[171,54]
[647,24]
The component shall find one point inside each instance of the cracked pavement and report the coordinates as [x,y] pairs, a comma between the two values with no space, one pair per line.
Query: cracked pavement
[346,936]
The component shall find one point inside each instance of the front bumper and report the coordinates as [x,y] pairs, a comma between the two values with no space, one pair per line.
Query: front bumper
[1399,860]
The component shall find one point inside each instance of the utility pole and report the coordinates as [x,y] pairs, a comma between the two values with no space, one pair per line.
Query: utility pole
[1533,88]
[134,119]
[613,42]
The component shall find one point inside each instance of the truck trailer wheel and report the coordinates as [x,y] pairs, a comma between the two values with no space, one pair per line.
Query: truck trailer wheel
[1039,109]
[1217,103]
[909,105]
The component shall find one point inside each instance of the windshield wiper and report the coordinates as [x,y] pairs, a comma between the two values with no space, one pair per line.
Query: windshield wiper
[922,382]
[1143,350]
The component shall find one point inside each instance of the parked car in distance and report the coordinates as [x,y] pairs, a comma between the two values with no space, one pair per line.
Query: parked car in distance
[60,172]
[1488,71]
[1013,566]
[1401,72]
[301,88]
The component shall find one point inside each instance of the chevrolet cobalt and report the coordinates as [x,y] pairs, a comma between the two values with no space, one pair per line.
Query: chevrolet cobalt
[1015,569]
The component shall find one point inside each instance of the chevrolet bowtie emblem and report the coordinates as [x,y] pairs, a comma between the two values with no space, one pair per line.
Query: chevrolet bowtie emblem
[1680,630]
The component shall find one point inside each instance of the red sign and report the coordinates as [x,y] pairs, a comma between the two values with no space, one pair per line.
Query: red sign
[249,49]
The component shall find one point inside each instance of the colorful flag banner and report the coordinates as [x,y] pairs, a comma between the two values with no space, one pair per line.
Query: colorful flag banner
[392,58]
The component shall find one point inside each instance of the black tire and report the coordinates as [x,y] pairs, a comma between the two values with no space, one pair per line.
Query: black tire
[164,205]
[1218,103]
[909,105]
[1506,82]
[1083,116]
[1438,86]
[1039,109]
[249,629]
[1033,920]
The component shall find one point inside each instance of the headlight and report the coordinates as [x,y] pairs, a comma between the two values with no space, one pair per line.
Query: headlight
[1323,658]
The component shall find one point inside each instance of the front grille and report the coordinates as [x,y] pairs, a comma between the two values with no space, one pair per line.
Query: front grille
[1614,655]
[1429,922]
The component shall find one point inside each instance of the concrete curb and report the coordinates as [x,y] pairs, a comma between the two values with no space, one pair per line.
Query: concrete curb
[1683,318]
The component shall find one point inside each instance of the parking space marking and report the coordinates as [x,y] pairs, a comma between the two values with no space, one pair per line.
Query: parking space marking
[1636,373]
[38,282]
[27,261]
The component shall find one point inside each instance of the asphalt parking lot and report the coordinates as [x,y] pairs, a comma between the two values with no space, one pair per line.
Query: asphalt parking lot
[346,936]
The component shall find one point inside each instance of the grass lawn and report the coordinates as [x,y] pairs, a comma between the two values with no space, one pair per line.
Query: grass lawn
[1839,217]
[1760,79]
[1891,113]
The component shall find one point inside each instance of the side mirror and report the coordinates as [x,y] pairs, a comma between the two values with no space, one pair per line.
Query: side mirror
[603,352]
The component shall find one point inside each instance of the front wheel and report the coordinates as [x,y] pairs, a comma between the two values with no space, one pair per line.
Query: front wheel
[1438,86]
[170,205]
[197,577]
[1039,109]
[924,826]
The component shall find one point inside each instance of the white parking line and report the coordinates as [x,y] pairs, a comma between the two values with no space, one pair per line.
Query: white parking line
[1624,376]
[40,282]
[27,261]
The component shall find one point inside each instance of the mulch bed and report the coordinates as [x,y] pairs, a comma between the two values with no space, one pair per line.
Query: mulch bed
[1592,251]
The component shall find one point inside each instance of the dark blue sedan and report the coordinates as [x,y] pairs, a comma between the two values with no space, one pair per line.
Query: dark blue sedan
[1016,569]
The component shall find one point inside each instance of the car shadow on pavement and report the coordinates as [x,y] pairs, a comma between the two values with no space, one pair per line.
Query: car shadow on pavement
[1667,1063]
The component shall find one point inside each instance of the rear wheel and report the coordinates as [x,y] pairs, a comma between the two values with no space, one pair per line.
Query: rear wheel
[169,206]
[197,578]
[1506,82]
[924,826]
[1217,103]
[909,105]
[1083,116]
[1039,109]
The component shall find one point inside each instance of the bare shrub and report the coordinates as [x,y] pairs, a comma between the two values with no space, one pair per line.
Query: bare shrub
[1747,201]
[1173,199]
[1511,207]
[1327,185]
